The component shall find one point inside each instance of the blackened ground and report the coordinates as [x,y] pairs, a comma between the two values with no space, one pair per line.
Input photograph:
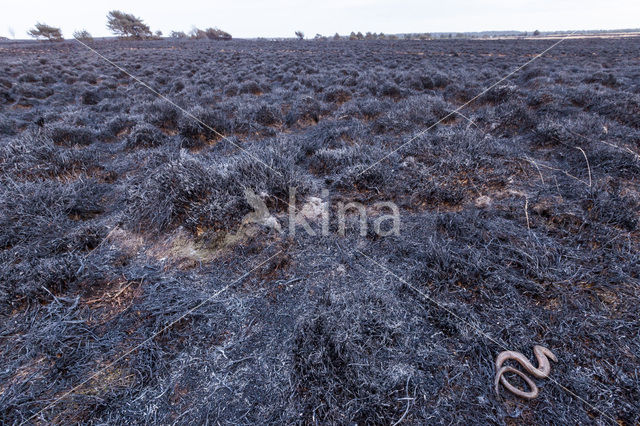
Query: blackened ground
[119,213]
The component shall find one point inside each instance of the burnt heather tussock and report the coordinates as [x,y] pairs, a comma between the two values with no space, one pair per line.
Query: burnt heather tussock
[119,213]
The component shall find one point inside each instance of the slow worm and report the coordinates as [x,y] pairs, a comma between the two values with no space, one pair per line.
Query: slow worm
[542,372]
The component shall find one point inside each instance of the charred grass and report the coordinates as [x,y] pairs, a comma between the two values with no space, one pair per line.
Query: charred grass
[520,216]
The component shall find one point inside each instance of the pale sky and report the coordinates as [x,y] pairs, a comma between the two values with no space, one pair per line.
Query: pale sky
[280,18]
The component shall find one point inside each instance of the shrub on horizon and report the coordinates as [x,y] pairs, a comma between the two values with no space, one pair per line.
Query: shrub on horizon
[217,34]
[209,34]
[178,34]
[82,35]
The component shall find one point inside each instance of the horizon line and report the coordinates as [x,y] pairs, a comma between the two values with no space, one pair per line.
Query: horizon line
[465,33]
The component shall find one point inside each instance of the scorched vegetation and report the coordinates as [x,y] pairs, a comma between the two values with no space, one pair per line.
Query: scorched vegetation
[519,215]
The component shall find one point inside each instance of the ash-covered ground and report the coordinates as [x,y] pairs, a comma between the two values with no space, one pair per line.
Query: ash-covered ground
[119,213]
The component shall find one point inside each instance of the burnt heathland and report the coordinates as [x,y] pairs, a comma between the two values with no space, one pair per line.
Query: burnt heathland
[519,218]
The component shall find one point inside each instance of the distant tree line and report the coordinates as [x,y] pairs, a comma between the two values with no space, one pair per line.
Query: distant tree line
[127,26]
[368,36]
[407,36]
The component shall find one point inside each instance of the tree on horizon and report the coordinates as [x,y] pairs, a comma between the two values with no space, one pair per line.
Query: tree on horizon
[127,25]
[46,31]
